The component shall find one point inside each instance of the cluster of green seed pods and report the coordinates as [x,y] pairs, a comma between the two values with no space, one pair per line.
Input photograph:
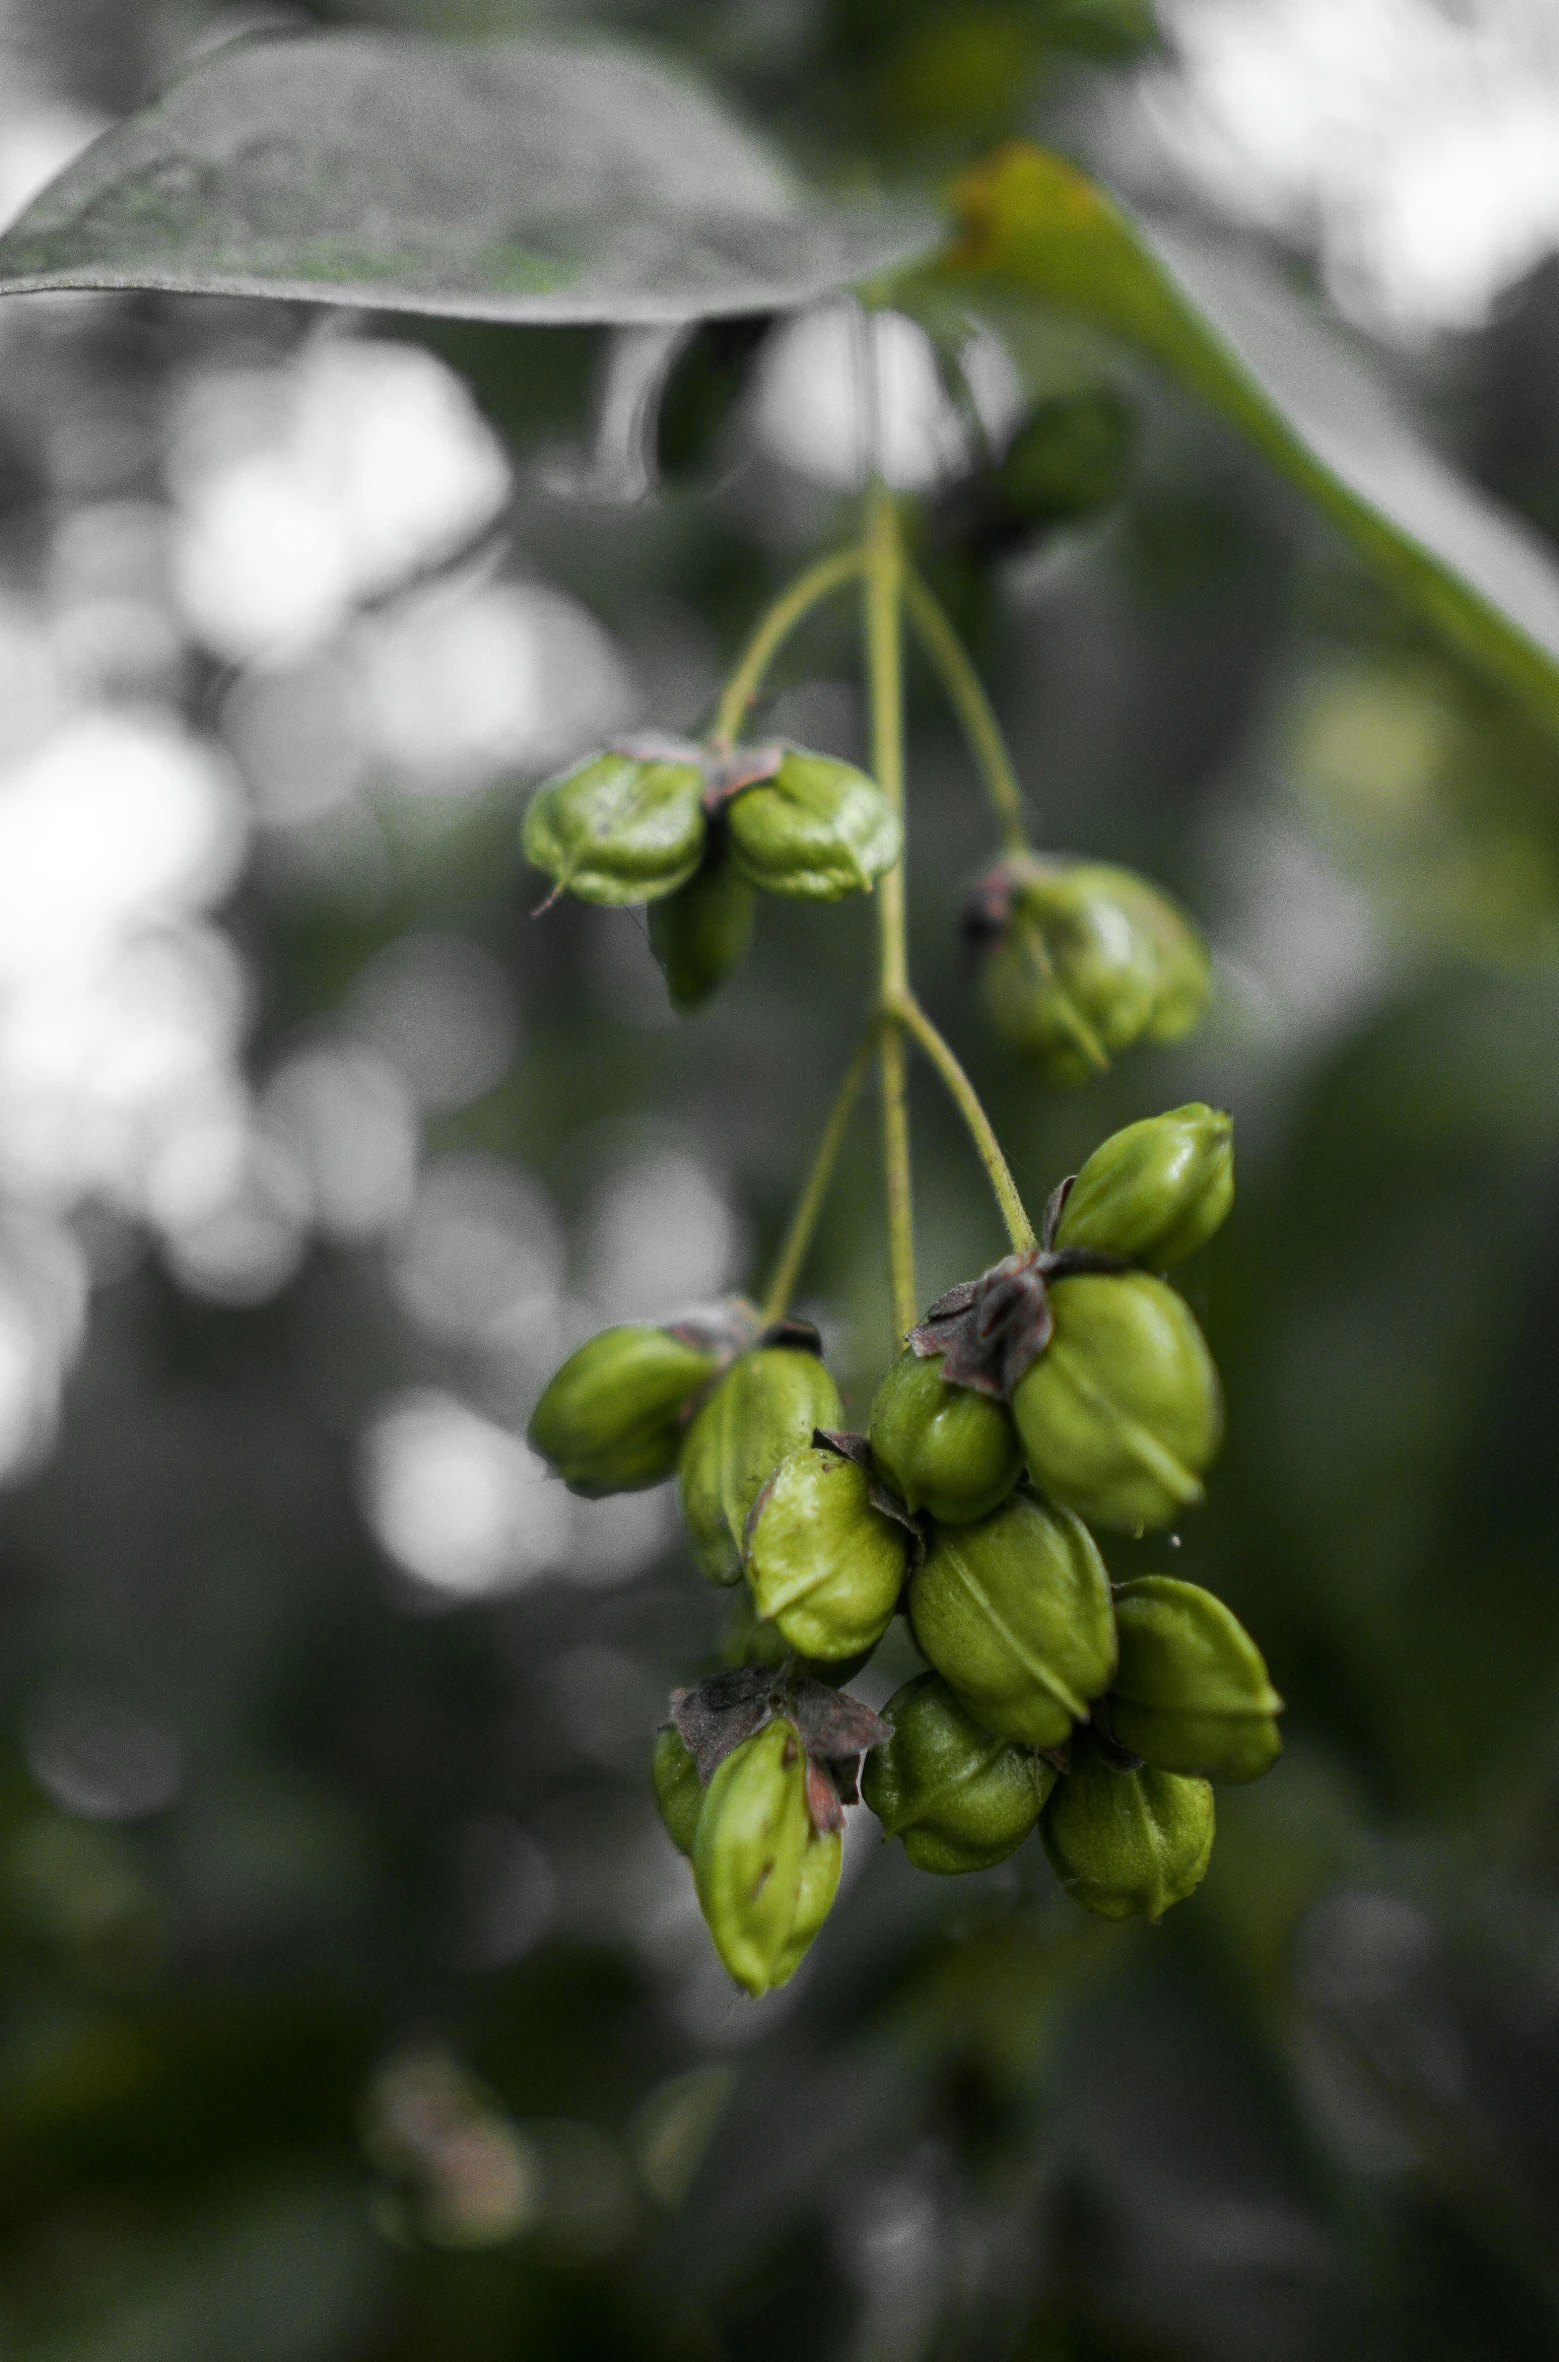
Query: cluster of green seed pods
[694,831]
[1080,959]
[1066,1389]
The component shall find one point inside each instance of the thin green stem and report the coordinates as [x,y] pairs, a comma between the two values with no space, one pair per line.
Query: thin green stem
[884,561]
[966,694]
[805,593]
[912,1017]
[803,1222]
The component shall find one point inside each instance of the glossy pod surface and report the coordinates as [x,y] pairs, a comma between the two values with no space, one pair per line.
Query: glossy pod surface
[823,1565]
[1122,1414]
[941,1448]
[1156,1191]
[817,830]
[618,829]
[1015,1613]
[1090,960]
[955,1796]
[1191,1690]
[1128,1844]
[610,1421]
[766,1406]
[754,1836]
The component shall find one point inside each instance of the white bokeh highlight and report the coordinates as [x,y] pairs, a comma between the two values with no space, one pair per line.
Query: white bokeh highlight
[465,1509]
[302,491]
[1414,146]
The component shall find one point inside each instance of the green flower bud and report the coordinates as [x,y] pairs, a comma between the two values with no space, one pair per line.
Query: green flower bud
[699,933]
[619,828]
[1122,1412]
[679,1792]
[1084,960]
[959,1798]
[1156,1191]
[823,1564]
[817,829]
[754,1835]
[1191,1690]
[1127,1844]
[1015,1612]
[942,1448]
[766,1406]
[610,1421]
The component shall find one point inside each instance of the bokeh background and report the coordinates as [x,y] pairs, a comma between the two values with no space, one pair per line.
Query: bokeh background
[353,2006]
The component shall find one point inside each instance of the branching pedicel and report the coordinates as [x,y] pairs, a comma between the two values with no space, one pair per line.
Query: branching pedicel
[1068,1387]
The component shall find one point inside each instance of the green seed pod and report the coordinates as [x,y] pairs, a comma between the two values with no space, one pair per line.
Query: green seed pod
[823,1564]
[766,1406]
[1069,457]
[1015,1612]
[753,1835]
[749,1639]
[942,1448]
[1122,1412]
[1156,1191]
[1085,959]
[815,1892]
[679,1792]
[958,1798]
[700,933]
[619,828]
[1127,1844]
[1191,1690]
[610,1421]
[818,829]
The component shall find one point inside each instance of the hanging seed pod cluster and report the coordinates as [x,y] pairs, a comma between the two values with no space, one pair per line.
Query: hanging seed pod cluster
[1064,1396]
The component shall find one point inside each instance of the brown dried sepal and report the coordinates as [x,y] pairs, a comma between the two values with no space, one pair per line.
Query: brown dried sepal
[881,1496]
[990,1331]
[717,1715]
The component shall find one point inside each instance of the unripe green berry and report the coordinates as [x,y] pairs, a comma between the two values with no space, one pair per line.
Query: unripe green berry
[944,1449]
[823,1564]
[767,1405]
[818,829]
[1087,960]
[1127,1844]
[1015,1612]
[610,1420]
[618,828]
[1122,1412]
[1156,1191]
[700,933]
[958,1798]
[753,1837]
[1191,1691]
[679,1792]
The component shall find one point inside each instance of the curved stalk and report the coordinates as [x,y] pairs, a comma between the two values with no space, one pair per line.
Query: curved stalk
[884,559]
[805,593]
[966,694]
[912,1017]
[798,1238]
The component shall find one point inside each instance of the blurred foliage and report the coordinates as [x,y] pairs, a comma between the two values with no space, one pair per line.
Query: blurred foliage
[288,2073]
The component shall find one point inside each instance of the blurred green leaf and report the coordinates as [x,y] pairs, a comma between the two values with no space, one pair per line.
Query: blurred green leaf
[1314,409]
[529,181]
